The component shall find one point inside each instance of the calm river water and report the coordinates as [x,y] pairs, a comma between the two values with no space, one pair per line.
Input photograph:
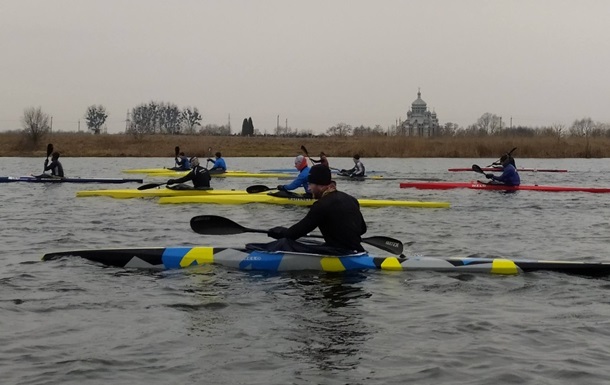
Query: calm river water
[76,322]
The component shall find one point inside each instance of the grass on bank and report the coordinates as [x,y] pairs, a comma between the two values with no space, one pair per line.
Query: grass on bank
[121,145]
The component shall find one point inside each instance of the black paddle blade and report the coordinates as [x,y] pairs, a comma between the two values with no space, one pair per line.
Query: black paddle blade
[388,244]
[49,149]
[511,151]
[150,185]
[215,225]
[305,151]
[177,150]
[478,169]
[258,188]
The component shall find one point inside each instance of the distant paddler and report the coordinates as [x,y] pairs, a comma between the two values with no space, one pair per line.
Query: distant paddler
[198,175]
[183,162]
[218,165]
[323,160]
[509,177]
[57,170]
[357,171]
[300,163]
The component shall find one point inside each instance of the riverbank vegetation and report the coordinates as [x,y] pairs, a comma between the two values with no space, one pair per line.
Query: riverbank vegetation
[72,144]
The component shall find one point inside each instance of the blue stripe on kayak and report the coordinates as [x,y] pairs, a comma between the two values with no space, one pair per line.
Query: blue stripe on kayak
[361,262]
[172,256]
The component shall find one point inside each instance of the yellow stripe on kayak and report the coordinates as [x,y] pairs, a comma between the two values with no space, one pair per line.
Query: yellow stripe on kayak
[270,199]
[154,193]
[504,267]
[391,263]
[332,264]
[198,256]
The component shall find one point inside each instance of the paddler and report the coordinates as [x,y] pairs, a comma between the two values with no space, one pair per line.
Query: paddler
[335,213]
[300,163]
[323,160]
[55,167]
[357,171]
[199,175]
[183,162]
[510,176]
[219,165]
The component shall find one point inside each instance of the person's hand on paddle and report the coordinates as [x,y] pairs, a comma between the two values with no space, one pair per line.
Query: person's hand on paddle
[489,176]
[46,162]
[171,181]
[281,187]
[277,232]
[210,160]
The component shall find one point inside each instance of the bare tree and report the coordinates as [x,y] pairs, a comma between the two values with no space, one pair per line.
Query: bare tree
[95,117]
[190,119]
[35,124]
[490,123]
[340,129]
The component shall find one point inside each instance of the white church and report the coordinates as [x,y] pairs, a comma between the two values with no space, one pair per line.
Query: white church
[420,121]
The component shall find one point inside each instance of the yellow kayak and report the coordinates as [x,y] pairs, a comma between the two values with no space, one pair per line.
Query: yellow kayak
[270,199]
[154,193]
[162,170]
[228,174]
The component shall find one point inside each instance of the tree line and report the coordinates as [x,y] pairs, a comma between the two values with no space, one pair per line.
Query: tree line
[167,118]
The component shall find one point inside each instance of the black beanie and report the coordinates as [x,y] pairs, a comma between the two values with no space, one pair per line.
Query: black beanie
[319,174]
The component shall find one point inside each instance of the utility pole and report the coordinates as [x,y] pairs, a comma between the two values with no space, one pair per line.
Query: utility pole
[511,122]
[277,126]
[51,126]
[286,124]
[78,125]
[229,124]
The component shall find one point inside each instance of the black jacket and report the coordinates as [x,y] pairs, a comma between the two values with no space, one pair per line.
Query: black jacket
[338,216]
[199,175]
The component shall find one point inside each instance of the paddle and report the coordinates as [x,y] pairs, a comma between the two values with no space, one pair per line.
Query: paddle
[215,225]
[497,162]
[49,152]
[176,153]
[150,185]
[478,169]
[259,188]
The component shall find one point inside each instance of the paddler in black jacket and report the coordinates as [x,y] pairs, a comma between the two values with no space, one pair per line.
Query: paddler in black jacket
[55,167]
[335,213]
[199,175]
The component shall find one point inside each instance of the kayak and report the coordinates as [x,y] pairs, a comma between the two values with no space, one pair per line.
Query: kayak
[33,179]
[154,193]
[476,185]
[499,169]
[293,170]
[297,201]
[187,256]
[347,178]
[235,174]
[161,170]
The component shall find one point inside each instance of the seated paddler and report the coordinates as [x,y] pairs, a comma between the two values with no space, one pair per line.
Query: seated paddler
[219,165]
[57,170]
[285,190]
[198,175]
[335,213]
[509,177]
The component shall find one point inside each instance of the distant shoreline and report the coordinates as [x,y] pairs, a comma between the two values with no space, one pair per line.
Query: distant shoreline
[122,145]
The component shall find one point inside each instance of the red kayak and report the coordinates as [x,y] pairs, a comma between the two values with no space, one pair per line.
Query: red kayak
[476,185]
[499,169]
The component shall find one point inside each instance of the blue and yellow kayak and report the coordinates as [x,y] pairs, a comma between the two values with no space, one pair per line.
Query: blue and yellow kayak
[295,201]
[234,174]
[187,256]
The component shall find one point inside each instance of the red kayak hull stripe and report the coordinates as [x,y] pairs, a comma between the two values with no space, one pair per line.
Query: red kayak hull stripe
[484,186]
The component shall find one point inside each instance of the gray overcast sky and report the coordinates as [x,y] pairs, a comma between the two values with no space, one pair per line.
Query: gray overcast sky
[316,62]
